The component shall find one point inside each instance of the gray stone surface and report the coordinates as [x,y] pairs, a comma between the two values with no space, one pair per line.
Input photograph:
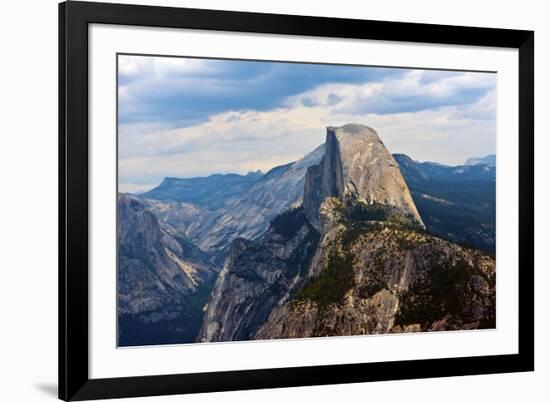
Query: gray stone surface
[256,277]
[157,269]
[356,163]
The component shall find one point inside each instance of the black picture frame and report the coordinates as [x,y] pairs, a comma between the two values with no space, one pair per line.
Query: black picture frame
[74,18]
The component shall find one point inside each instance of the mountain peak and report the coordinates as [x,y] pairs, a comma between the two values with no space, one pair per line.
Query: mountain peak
[357,164]
[484,160]
[355,130]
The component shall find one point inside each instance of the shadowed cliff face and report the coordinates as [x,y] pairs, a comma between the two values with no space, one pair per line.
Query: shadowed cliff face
[357,164]
[258,276]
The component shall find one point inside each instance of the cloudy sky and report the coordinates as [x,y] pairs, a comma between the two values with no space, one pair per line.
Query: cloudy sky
[186,117]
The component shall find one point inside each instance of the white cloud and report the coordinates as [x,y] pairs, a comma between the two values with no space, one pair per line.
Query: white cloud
[240,141]
[484,108]
[410,92]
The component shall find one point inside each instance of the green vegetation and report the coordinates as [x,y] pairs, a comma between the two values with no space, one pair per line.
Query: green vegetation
[359,211]
[358,217]
[333,282]
[408,239]
[446,290]
[374,276]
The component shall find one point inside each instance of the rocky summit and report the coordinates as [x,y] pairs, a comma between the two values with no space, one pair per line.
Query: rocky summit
[357,164]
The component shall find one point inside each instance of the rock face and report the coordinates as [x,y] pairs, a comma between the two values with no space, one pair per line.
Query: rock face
[158,272]
[184,217]
[375,277]
[356,163]
[258,276]
[353,259]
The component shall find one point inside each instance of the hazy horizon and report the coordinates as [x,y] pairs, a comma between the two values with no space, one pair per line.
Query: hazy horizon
[263,172]
[182,117]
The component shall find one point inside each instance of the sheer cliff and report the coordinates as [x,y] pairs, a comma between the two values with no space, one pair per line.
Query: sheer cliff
[357,164]
[258,276]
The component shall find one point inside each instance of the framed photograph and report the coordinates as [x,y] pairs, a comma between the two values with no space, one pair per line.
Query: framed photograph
[257,201]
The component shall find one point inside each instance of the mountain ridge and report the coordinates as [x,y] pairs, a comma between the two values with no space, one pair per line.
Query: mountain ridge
[482,160]
[211,192]
[456,202]
[247,215]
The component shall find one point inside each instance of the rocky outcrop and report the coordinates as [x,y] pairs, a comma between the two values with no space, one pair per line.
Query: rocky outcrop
[233,312]
[158,273]
[258,276]
[377,277]
[357,164]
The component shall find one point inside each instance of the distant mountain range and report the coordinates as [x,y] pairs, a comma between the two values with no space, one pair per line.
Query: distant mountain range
[485,160]
[347,240]
[457,203]
[210,192]
[242,206]
[423,172]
